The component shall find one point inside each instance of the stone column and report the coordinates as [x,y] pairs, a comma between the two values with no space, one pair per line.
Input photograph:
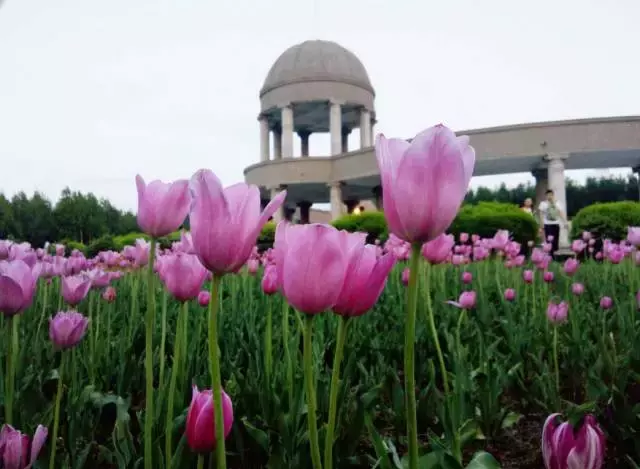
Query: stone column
[636,171]
[542,184]
[304,142]
[345,139]
[351,205]
[555,175]
[287,132]
[335,197]
[365,128]
[305,211]
[335,127]
[264,138]
[279,215]
[277,143]
[377,197]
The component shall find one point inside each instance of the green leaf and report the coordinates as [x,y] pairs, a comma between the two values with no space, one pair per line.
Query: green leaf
[258,435]
[483,460]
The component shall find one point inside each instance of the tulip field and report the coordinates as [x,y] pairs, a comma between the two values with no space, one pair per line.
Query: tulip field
[498,353]
[423,351]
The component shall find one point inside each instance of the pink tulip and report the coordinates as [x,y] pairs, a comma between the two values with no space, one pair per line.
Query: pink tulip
[527,276]
[606,302]
[182,275]
[75,288]
[366,277]
[571,266]
[225,223]
[270,279]
[318,252]
[577,289]
[17,286]
[5,249]
[467,277]
[200,425]
[438,250]
[578,246]
[464,238]
[17,451]
[557,313]
[252,266]
[203,298]
[509,294]
[633,235]
[548,277]
[109,295]
[424,182]
[99,278]
[467,300]
[500,240]
[563,448]
[162,207]
[66,329]
[406,272]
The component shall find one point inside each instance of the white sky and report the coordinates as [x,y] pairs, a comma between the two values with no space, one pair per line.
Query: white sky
[93,92]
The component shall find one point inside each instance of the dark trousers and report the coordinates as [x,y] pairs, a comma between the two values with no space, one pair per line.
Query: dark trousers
[552,230]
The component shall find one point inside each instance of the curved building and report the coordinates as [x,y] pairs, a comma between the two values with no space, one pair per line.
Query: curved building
[321,87]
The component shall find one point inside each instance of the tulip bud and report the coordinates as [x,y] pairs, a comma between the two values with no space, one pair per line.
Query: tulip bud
[200,424]
[203,298]
[577,289]
[109,295]
[557,312]
[606,302]
[527,275]
[467,278]
[405,276]
[509,294]
[270,280]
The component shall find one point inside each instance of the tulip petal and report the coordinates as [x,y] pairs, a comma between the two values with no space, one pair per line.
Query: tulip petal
[39,439]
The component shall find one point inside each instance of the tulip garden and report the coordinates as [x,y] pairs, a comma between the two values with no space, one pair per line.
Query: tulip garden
[420,351]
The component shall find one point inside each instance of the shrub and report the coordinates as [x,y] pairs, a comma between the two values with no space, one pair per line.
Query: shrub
[267,236]
[606,220]
[103,243]
[69,246]
[372,223]
[128,240]
[486,218]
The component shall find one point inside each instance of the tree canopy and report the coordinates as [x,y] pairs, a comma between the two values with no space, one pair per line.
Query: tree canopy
[84,217]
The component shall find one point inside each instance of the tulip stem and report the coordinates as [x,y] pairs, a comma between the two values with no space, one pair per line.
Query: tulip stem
[443,369]
[200,461]
[163,335]
[214,365]
[148,360]
[268,349]
[555,361]
[11,371]
[56,412]
[409,357]
[287,351]
[343,326]
[311,393]
[175,370]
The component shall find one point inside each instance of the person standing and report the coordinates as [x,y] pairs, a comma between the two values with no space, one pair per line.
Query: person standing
[527,205]
[551,214]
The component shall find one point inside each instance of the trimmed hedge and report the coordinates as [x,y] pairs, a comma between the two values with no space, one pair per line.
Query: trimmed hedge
[267,236]
[483,219]
[606,220]
[372,223]
[486,218]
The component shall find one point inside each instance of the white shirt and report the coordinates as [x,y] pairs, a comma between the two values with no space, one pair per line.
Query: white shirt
[550,216]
